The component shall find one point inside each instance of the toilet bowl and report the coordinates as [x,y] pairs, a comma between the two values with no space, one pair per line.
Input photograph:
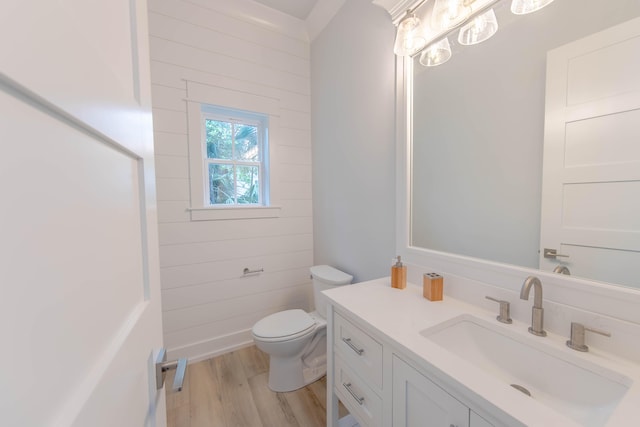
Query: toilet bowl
[296,340]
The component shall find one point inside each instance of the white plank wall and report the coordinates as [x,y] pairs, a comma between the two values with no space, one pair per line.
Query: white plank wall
[208,307]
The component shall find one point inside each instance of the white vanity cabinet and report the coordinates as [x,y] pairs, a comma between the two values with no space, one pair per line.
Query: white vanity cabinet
[357,371]
[361,351]
[418,401]
[379,388]
[357,396]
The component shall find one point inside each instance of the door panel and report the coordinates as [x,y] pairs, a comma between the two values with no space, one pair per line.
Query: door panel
[589,142]
[591,185]
[80,313]
[588,205]
[605,70]
[84,56]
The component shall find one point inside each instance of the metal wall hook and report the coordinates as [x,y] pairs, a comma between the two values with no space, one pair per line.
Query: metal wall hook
[247,271]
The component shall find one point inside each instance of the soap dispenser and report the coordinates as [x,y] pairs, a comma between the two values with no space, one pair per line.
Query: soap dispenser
[398,274]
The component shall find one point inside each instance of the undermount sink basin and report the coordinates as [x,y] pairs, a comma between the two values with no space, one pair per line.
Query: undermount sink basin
[585,392]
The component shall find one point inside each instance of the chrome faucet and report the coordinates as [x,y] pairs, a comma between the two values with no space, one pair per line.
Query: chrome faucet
[537,313]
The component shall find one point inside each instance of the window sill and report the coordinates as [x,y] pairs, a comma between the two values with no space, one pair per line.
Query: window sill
[224,213]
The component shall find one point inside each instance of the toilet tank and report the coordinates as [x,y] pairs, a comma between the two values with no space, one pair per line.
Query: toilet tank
[326,277]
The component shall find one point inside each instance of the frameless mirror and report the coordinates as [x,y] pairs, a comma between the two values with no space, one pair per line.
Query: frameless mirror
[478,133]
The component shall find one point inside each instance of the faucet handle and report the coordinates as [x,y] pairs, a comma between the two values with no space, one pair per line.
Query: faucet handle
[504,315]
[576,340]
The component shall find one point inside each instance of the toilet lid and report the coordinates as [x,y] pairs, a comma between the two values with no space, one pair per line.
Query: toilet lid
[283,324]
[330,275]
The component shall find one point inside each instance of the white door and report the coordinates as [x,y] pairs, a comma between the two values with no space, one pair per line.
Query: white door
[80,305]
[591,184]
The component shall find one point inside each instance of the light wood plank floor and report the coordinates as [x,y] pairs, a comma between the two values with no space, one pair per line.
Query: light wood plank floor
[231,391]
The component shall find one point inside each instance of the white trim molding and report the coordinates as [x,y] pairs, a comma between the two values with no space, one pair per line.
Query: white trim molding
[258,14]
[223,213]
[396,8]
[321,15]
[200,96]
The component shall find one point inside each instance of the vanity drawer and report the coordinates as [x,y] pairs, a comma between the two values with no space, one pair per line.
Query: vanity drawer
[362,353]
[361,401]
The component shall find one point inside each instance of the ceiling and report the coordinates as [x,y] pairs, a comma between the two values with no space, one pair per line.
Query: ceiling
[296,8]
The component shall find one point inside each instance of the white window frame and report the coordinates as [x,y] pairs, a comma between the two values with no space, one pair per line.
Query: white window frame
[201,209]
[238,118]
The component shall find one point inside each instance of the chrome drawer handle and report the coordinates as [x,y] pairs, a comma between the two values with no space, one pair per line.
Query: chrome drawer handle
[348,342]
[353,393]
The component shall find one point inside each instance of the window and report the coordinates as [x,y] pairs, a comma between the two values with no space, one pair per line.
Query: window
[228,163]
[234,162]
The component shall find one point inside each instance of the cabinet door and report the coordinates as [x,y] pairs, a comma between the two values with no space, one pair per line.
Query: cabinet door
[418,402]
[476,420]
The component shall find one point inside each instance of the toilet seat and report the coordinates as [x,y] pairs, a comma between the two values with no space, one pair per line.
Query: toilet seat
[284,326]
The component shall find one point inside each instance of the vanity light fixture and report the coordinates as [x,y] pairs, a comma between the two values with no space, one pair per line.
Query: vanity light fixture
[426,26]
[447,14]
[409,38]
[479,29]
[436,54]
[522,7]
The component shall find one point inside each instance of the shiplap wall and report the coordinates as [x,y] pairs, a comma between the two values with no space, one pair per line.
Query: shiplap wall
[216,45]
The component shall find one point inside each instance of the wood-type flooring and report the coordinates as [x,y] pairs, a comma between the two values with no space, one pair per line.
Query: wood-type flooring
[231,391]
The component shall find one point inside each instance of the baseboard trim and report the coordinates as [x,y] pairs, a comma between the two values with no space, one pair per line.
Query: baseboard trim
[207,349]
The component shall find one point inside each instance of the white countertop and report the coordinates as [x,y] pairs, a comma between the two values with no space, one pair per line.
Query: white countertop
[400,315]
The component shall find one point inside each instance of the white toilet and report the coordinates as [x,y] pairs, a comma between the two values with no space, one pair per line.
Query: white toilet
[296,341]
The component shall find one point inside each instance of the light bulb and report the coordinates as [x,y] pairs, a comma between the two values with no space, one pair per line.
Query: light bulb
[522,7]
[449,13]
[436,54]
[479,29]
[409,38]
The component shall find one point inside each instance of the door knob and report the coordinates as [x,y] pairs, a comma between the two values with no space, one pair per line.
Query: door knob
[162,366]
[553,253]
[562,269]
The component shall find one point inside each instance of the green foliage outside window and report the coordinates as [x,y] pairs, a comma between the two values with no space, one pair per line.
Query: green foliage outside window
[234,158]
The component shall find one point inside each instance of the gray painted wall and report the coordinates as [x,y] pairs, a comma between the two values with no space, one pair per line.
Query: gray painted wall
[353,132]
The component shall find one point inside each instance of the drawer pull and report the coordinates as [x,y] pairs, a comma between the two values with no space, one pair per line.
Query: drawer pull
[353,393]
[348,342]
